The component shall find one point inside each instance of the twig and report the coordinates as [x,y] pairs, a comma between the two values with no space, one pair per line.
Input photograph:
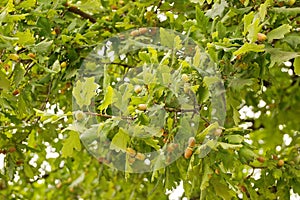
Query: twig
[29,67]
[121,64]
[77,11]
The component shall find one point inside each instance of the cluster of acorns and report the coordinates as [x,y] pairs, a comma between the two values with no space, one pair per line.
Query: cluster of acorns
[133,155]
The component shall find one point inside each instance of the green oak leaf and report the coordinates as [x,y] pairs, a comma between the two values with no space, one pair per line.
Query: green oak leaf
[119,141]
[279,32]
[84,91]
[249,47]
[71,143]
[108,98]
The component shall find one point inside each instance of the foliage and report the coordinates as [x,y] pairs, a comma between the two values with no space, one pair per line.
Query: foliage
[43,46]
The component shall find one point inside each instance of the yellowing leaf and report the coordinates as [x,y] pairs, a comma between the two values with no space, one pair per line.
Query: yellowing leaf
[84,91]
[279,32]
[71,143]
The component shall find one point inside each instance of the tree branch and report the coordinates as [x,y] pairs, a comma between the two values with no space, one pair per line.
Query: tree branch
[75,10]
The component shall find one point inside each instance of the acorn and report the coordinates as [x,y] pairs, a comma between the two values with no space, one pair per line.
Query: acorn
[142,107]
[131,151]
[31,55]
[12,149]
[114,7]
[171,147]
[192,142]
[140,156]
[143,30]
[218,132]
[185,77]
[79,115]
[280,163]
[188,152]
[261,37]
[134,33]
[131,160]
[217,171]
[16,92]
[261,159]
[63,64]
[137,89]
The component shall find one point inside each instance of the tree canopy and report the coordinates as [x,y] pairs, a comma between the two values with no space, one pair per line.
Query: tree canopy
[124,99]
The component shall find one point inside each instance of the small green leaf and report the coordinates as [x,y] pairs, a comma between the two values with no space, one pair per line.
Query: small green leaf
[249,47]
[230,146]
[84,91]
[235,139]
[209,81]
[56,66]
[167,38]
[71,143]
[208,130]
[196,59]
[205,180]
[28,171]
[278,56]
[25,38]
[297,66]
[217,9]
[221,189]
[108,97]
[43,46]
[247,21]
[19,72]
[120,140]
[4,82]
[253,29]
[177,42]
[277,173]
[236,116]
[279,32]
[263,10]
[238,83]
[27,4]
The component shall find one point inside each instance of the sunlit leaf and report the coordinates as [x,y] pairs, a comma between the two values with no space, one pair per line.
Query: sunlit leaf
[120,141]
[70,144]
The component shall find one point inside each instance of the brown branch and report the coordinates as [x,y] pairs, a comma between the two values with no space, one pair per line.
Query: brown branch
[75,10]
